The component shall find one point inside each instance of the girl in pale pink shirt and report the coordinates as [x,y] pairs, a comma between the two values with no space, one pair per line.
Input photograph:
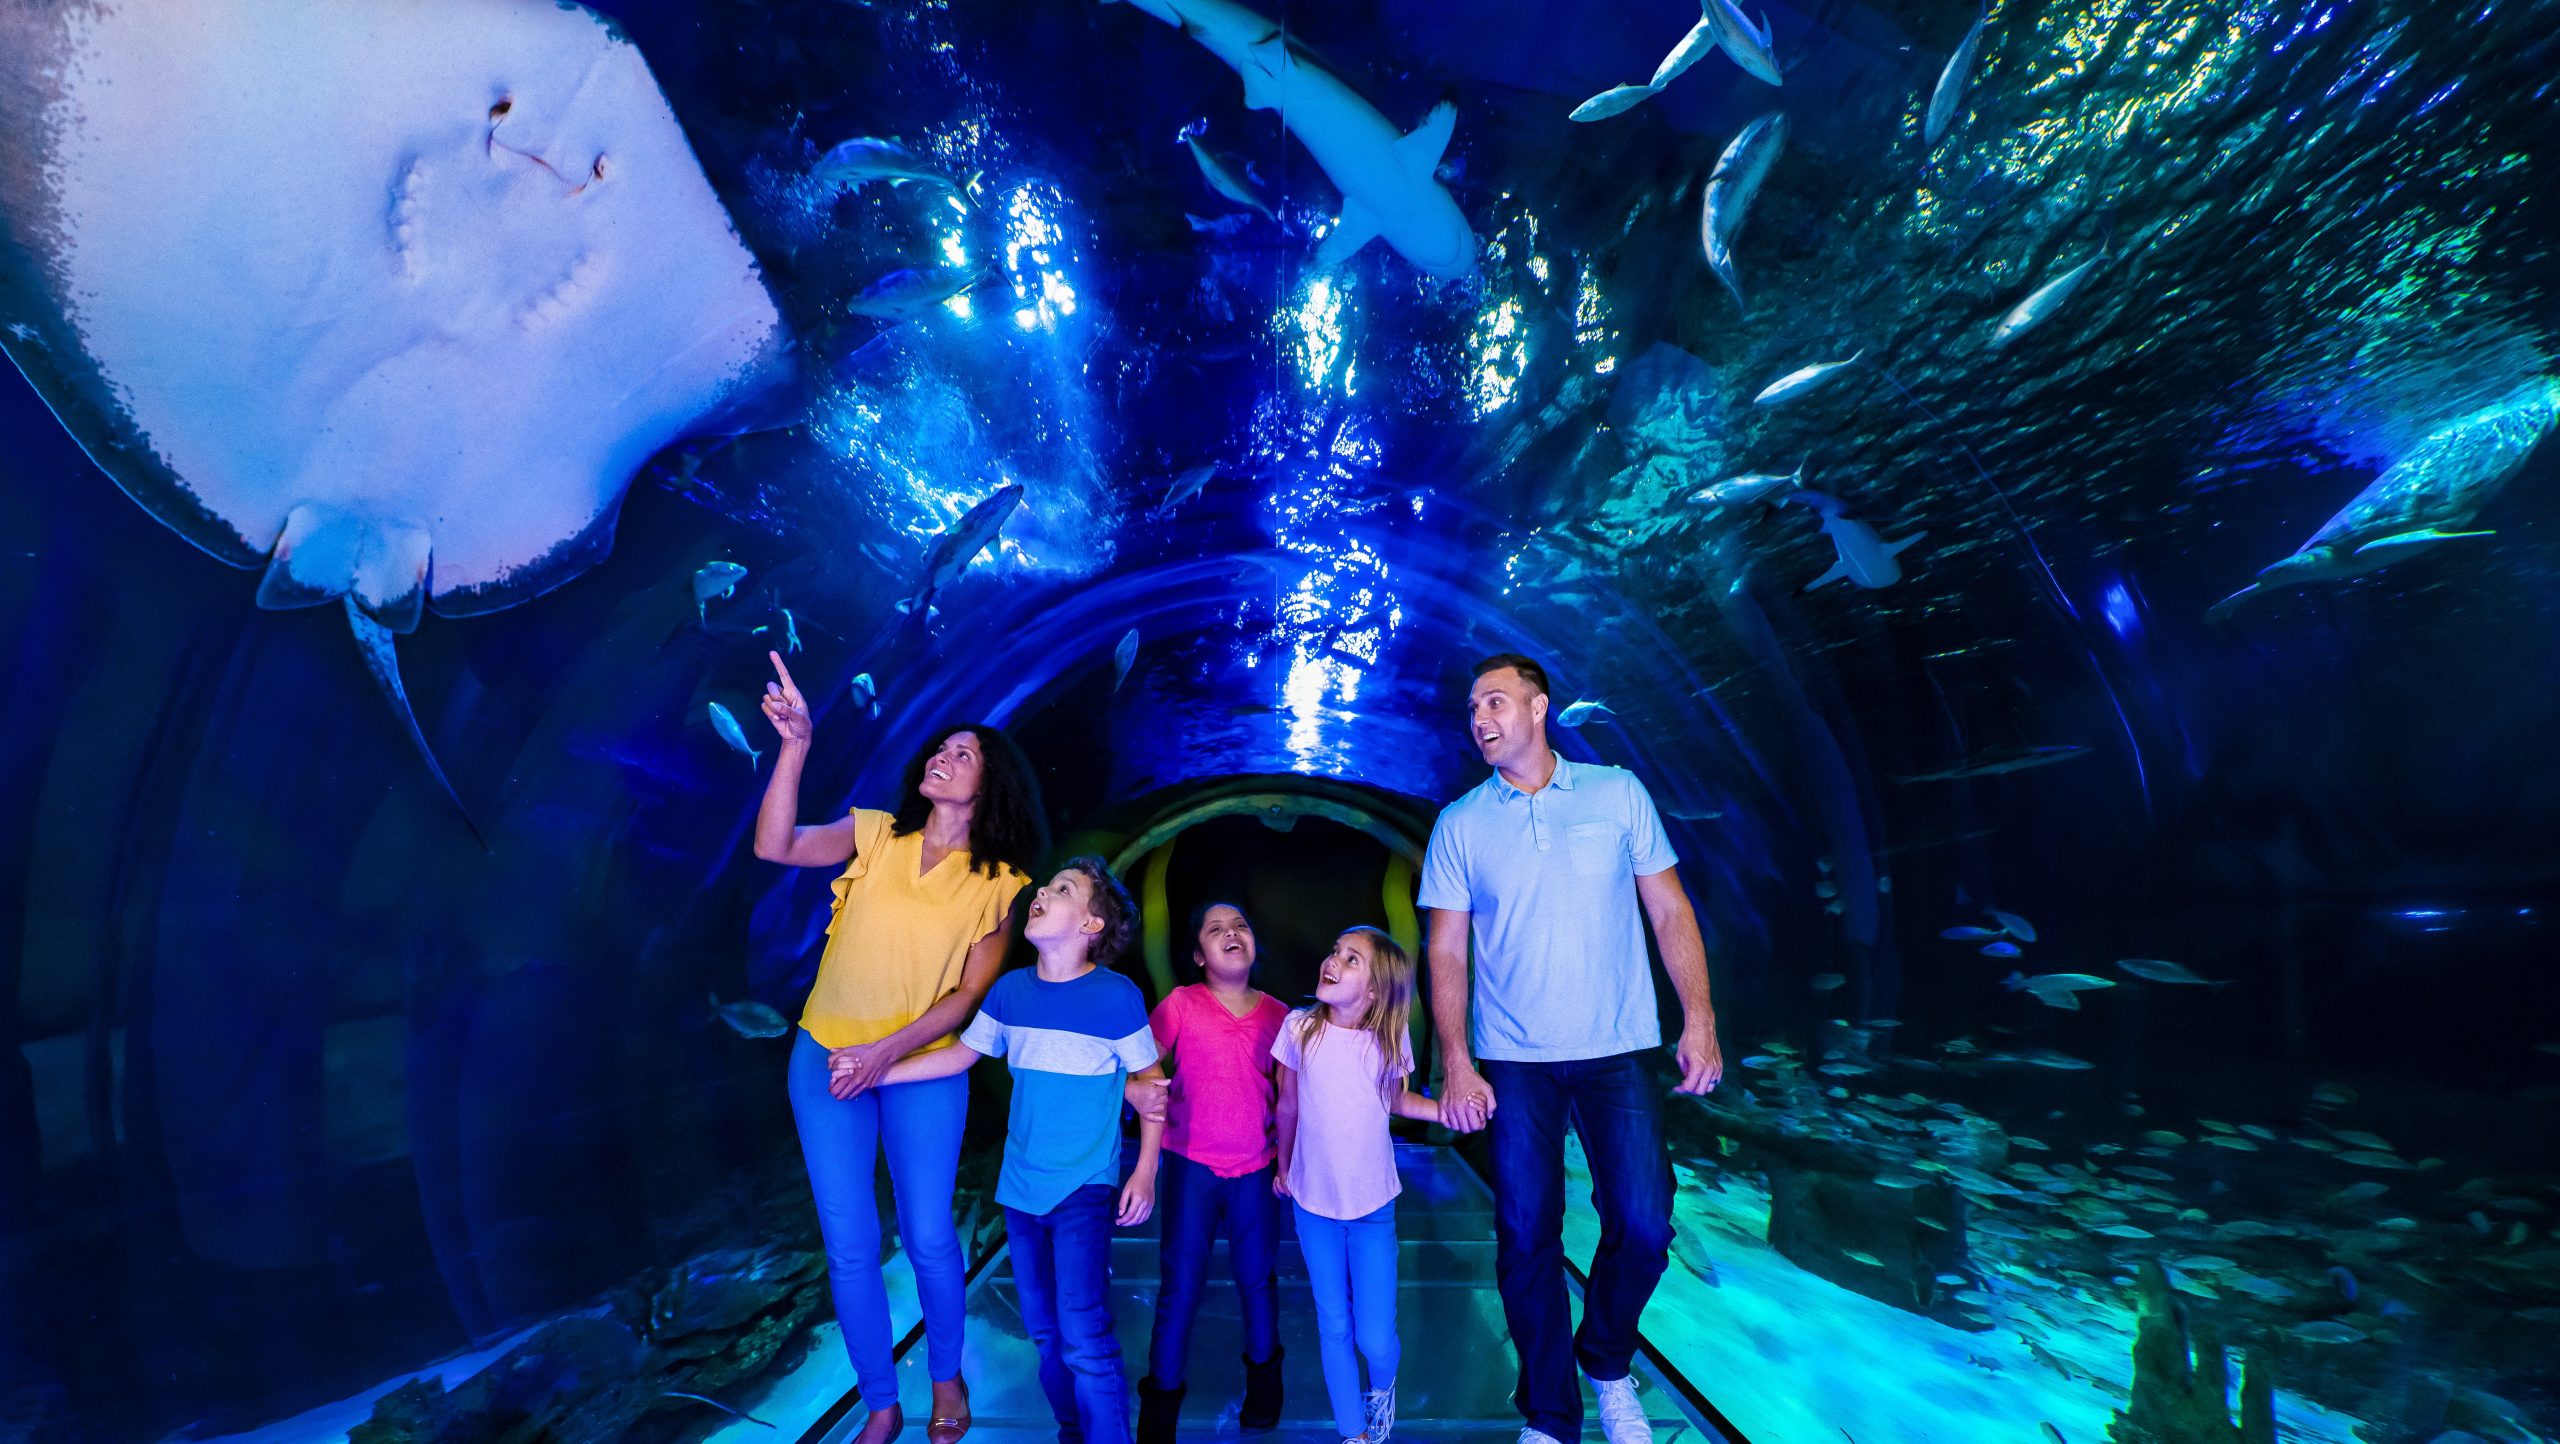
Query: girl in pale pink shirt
[1217,1170]
[1343,1066]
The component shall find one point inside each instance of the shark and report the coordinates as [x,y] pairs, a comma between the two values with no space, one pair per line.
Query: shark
[1738,175]
[1865,558]
[387,302]
[1390,190]
[2424,499]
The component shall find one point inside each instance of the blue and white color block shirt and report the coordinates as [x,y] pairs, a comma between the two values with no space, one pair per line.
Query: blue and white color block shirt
[1548,882]
[1073,1046]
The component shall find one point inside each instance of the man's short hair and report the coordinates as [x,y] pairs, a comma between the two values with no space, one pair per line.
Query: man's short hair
[1530,672]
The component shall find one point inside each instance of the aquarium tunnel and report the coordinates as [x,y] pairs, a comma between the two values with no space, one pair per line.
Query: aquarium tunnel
[2041,512]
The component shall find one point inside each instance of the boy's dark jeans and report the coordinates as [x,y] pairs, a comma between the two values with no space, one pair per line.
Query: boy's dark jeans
[1062,1282]
[1615,1105]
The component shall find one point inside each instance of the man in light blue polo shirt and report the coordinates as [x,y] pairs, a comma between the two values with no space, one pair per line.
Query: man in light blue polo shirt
[1543,868]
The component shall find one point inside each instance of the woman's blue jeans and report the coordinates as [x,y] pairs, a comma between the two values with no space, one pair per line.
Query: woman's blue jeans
[1352,1265]
[919,1126]
[1192,1204]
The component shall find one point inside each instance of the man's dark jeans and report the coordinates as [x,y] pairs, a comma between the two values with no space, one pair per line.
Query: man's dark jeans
[1615,1104]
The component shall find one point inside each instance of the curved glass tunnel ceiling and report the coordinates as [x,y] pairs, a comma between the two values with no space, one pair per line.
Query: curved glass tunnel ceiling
[2127,881]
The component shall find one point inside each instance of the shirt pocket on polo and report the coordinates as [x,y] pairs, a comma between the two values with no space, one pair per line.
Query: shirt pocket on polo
[1595,849]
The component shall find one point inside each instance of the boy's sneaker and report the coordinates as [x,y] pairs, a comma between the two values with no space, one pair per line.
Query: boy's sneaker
[1532,1434]
[1621,1416]
[1381,1405]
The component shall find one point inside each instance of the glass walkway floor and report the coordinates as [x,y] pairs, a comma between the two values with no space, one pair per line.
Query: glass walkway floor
[1456,1376]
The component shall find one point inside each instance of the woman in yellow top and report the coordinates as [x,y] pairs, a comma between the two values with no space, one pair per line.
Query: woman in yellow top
[921,914]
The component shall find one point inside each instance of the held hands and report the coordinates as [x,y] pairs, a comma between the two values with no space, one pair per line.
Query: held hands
[1148,1097]
[1279,1182]
[1137,1198]
[1700,1056]
[783,705]
[1466,1100]
[852,1072]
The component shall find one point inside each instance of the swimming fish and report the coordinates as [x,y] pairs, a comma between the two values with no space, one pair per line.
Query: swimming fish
[864,159]
[2040,303]
[1185,487]
[2002,949]
[1825,982]
[1865,558]
[1998,761]
[790,631]
[1223,178]
[1616,100]
[427,316]
[2418,503]
[1388,181]
[1746,44]
[2160,970]
[1968,934]
[2012,924]
[2056,990]
[1581,712]
[750,1019]
[1738,175]
[1738,491]
[960,545]
[727,727]
[866,693]
[1945,99]
[2328,1331]
[1803,379]
[1692,47]
[1123,657]
[906,293]
[715,579]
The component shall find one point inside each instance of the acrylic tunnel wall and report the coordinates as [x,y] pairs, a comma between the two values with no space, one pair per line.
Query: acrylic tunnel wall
[2052,500]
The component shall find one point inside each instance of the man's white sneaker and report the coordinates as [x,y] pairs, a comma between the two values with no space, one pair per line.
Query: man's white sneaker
[1621,1416]
[1381,1406]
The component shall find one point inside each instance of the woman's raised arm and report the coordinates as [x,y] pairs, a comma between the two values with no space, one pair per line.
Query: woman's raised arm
[779,835]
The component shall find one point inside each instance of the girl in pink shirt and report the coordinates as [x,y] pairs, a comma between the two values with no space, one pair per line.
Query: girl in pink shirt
[1217,1169]
[1343,1065]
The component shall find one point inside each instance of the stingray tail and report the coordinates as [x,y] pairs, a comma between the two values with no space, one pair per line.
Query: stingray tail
[380,658]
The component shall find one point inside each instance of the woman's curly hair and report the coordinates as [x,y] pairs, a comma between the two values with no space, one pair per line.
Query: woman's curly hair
[1008,827]
[1111,903]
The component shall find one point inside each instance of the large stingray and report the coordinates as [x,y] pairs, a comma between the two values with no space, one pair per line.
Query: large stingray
[387,297]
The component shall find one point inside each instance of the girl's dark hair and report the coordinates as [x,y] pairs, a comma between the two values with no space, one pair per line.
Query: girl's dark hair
[1200,918]
[1008,827]
[1111,903]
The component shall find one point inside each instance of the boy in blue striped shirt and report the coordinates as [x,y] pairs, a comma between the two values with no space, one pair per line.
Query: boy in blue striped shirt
[1076,1033]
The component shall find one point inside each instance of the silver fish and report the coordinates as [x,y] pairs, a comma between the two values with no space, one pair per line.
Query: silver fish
[2160,970]
[1738,175]
[1223,178]
[1614,101]
[906,293]
[1692,47]
[1747,488]
[866,694]
[1185,487]
[727,727]
[715,579]
[1949,95]
[863,159]
[1581,712]
[1123,657]
[1803,379]
[2012,924]
[749,1019]
[960,545]
[1745,43]
[2043,301]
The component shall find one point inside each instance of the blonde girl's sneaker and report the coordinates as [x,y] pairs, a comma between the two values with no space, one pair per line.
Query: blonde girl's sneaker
[1381,1407]
[1621,1415]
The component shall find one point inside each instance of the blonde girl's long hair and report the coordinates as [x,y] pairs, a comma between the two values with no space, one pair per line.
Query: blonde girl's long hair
[1386,1019]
